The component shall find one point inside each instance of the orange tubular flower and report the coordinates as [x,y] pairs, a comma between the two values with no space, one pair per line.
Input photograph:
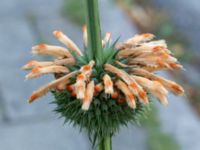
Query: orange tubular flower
[108,84]
[170,85]
[132,84]
[129,96]
[115,95]
[66,61]
[130,80]
[99,87]
[36,72]
[120,73]
[87,69]
[67,41]
[80,86]
[85,36]
[153,87]
[52,85]
[56,51]
[106,39]
[137,39]
[88,96]
[33,63]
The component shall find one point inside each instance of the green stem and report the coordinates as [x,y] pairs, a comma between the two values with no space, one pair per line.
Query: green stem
[94,30]
[106,143]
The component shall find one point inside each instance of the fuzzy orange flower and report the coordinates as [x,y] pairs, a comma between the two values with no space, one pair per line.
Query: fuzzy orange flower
[129,80]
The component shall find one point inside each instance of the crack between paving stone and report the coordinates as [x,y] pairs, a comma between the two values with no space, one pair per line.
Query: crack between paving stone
[3,111]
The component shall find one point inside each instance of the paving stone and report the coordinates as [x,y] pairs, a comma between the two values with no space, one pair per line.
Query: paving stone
[21,8]
[130,138]
[193,75]
[114,21]
[180,121]
[16,40]
[53,135]
[49,135]
[186,16]
[3,115]
[70,29]
[109,13]
[178,118]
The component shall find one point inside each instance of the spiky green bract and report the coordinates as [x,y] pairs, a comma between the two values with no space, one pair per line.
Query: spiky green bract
[105,115]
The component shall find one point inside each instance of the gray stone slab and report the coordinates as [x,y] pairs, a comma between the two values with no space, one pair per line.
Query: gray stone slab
[181,122]
[51,135]
[16,40]
[186,15]
[109,13]
[72,30]
[193,74]
[45,9]
[21,8]
[113,20]
[131,138]
[7,8]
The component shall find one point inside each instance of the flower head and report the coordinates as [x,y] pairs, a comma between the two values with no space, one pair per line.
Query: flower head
[114,91]
[126,75]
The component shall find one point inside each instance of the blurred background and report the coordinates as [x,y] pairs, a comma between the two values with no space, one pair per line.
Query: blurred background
[24,23]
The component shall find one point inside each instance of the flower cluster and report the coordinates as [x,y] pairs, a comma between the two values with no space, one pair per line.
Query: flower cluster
[129,77]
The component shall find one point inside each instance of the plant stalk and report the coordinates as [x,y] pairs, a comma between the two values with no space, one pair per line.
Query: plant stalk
[106,143]
[94,31]
[94,50]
